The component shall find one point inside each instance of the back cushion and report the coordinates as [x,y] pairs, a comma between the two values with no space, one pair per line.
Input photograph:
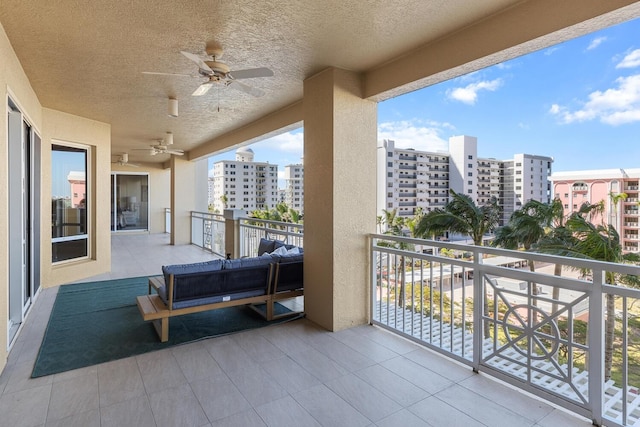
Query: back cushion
[247,262]
[199,267]
[266,246]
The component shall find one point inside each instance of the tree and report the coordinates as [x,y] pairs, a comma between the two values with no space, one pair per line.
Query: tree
[395,226]
[599,242]
[224,199]
[462,215]
[528,226]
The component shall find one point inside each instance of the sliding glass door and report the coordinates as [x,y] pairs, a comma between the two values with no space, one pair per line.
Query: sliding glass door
[129,202]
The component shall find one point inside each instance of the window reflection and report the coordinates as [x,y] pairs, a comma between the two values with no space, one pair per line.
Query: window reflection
[69,202]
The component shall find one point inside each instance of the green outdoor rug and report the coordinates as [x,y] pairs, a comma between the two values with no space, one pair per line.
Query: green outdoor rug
[97,322]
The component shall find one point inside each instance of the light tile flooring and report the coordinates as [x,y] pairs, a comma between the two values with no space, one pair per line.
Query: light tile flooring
[293,374]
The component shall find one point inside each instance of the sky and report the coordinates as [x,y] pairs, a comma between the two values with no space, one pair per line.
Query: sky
[578,102]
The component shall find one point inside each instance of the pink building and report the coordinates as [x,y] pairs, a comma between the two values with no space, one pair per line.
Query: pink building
[592,186]
[78,188]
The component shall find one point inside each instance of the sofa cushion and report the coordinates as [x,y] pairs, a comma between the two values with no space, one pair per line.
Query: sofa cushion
[266,246]
[177,269]
[287,258]
[247,262]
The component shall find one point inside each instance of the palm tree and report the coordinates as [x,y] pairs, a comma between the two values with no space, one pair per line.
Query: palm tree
[529,226]
[395,226]
[462,215]
[599,242]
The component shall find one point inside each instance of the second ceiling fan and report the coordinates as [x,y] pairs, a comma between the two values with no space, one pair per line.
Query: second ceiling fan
[216,72]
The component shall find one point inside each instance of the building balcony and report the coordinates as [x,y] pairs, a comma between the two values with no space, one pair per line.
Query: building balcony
[407,167]
[413,185]
[406,367]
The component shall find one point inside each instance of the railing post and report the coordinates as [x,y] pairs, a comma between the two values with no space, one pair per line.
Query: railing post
[596,346]
[232,232]
[478,308]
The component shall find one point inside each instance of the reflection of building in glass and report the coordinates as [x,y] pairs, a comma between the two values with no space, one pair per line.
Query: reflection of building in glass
[78,188]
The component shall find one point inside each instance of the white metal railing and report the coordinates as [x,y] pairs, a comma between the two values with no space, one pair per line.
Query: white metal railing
[208,231]
[252,229]
[541,332]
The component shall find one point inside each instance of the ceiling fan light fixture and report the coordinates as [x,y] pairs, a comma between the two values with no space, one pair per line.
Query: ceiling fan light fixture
[168,139]
[124,158]
[173,107]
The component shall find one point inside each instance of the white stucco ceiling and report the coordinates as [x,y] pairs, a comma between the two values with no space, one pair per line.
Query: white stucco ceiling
[87,57]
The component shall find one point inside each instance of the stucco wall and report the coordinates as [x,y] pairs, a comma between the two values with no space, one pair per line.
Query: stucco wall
[61,127]
[15,85]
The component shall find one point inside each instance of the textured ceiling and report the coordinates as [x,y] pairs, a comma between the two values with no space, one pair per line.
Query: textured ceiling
[87,57]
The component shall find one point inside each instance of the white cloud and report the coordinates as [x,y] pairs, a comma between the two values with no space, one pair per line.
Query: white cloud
[613,106]
[551,51]
[596,42]
[290,142]
[469,93]
[415,133]
[631,60]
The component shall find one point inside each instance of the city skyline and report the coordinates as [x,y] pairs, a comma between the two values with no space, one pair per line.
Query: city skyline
[578,102]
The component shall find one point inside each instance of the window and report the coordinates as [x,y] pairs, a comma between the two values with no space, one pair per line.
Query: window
[470,174]
[390,174]
[470,182]
[69,173]
[389,154]
[470,191]
[470,157]
[469,165]
[390,164]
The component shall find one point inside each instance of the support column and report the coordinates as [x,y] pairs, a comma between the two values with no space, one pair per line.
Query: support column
[232,232]
[183,198]
[340,134]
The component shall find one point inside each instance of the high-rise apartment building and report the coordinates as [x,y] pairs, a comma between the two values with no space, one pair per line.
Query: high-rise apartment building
[410,179]
[244,184]
[294,189]
[618,189]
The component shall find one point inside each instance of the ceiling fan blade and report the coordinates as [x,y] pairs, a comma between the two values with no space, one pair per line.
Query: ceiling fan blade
[175,152]
[245,88]
[251,73]
[202,89]
[167,74]
[195,58]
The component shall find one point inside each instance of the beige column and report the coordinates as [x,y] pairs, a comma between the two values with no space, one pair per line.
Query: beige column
[340,133]
[183,194]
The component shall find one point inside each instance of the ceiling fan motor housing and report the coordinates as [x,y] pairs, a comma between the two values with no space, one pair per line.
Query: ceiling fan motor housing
[218,67]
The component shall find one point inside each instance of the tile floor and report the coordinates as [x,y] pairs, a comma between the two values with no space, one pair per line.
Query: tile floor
[293,374]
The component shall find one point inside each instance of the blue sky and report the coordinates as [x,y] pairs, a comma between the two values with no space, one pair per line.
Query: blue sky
[578,102]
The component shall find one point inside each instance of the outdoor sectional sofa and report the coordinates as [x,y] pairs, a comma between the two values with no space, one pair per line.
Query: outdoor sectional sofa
[274,275]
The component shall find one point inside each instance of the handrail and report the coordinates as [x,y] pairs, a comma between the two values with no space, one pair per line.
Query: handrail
[539,332]
[208,231]
[252,229]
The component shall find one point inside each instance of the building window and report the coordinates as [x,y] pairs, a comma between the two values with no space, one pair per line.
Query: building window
[469,165]
[470,174]
[389,154]
[70,175]
[390,174]
[470,157]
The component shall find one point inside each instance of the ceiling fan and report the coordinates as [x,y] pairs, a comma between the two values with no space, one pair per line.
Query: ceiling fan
[216,72]
[162,147]
[123,160]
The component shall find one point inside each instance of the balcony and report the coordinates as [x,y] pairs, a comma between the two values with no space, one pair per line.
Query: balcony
[357,376]
[407,167]
[531,341]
